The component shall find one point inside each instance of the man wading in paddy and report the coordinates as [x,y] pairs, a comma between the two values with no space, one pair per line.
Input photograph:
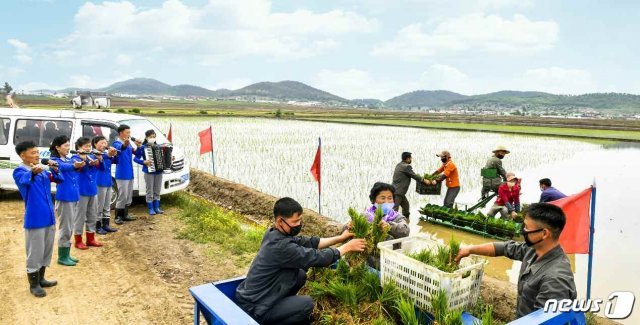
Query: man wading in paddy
[402,176]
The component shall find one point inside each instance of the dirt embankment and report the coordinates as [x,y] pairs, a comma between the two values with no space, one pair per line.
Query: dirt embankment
[253,204]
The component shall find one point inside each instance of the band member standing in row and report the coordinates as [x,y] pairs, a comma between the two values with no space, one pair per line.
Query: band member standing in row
[152,180]
[34,184]
[88,206]
[67,196]
[124,173]
[104,182]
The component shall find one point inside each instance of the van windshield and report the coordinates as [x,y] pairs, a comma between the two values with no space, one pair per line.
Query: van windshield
[139,127]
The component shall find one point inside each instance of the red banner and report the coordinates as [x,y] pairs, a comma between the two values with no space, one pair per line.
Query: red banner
[206,140]
[575,235]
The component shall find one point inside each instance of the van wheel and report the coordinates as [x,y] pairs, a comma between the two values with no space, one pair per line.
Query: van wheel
[114,193]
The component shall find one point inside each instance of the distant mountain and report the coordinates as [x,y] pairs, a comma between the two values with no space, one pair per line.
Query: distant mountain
[423,98]
[297,91]
[287,90]
[189,90]
[139,86]
[541,100]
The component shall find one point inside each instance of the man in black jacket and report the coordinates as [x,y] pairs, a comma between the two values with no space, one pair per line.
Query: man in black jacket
[278,272]
[402,176]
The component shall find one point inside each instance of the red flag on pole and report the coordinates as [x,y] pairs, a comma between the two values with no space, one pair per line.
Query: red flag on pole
[169,135]
[315,168]
[575,235]
[206,140]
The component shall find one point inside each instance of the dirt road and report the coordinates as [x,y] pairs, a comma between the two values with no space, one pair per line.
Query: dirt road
[140,276]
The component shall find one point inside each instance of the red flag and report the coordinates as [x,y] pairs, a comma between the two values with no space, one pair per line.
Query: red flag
[169,135]
[206,140]
[315,168]
[575,235]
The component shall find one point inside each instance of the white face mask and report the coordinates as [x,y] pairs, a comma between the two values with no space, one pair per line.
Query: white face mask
[151,140]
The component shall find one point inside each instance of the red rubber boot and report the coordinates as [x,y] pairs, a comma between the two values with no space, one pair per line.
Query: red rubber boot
[79,244]
[91,240]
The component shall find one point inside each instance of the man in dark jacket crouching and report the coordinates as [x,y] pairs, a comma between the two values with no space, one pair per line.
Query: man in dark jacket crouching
[278,272]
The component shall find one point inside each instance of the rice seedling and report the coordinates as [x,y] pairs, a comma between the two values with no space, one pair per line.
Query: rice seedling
[441,312]
[443,258]
[407,311]
[359,224]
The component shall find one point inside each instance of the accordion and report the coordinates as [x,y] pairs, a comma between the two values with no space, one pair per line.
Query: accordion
[160,157]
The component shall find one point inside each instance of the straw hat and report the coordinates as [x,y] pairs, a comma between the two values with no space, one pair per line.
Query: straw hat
[501,148]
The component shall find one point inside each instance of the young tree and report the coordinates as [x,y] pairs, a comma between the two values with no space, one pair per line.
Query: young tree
[7,88]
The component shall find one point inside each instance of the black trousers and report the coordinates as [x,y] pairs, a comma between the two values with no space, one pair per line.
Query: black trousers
[401,201]
[293,309]
[450,197]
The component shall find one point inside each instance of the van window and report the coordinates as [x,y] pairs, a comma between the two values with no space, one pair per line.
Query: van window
[91,130]
[41,132]
[4,130]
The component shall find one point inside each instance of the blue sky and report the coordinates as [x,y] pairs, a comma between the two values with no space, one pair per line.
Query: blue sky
[352,48]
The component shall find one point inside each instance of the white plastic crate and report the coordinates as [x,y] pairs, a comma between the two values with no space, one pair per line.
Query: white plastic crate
[421,281]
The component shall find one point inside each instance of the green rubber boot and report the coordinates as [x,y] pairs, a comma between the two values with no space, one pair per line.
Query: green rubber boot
[63,256]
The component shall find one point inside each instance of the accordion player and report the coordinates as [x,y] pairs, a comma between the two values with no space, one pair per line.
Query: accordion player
[160,157]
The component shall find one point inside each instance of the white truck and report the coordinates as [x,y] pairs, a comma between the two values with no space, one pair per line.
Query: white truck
[41,126]
[90,99]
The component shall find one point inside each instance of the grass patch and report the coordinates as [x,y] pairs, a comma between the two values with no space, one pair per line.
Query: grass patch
[208,223]
[515,129]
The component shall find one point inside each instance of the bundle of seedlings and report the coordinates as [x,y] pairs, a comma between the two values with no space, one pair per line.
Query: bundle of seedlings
[442,258]
[352,293]
[430,177]
[373,232]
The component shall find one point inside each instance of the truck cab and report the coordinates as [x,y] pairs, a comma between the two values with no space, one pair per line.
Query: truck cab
[42,125]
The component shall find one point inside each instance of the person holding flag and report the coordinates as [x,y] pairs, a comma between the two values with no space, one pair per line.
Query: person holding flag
[545,272]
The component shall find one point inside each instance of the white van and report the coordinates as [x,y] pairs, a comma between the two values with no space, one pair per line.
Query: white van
[42,125]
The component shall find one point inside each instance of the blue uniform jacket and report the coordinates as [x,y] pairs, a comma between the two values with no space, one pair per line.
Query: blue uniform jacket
[141,157]
[36,193]
[104,175]
[87,177]
[68,190]
[124,164]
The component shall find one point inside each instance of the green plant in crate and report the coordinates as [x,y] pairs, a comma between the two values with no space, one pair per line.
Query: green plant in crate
[430,177]
[443,258]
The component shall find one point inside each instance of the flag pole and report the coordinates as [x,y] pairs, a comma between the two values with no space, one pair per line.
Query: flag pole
[320,178]
[213,162]
[591,232]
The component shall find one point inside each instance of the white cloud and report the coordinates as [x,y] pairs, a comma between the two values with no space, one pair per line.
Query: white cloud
[23,51]
[123,59]
[557,81]
[219,31]
[500,4]
[444,77]
[30,86]
[355,83]
[490,33]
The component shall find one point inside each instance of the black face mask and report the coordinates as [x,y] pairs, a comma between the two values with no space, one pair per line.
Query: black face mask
[499,156]
[294,231]
[528,241]
[443,159]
